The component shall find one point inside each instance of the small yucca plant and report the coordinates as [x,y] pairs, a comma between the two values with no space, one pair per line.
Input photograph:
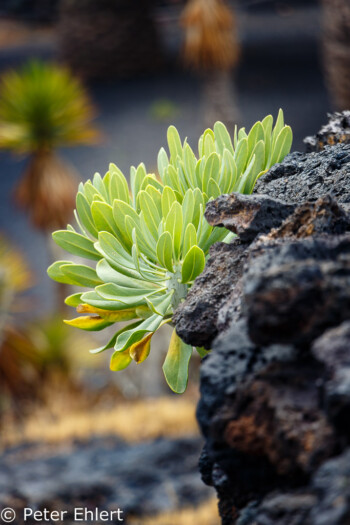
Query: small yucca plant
[42,107]
[151,241]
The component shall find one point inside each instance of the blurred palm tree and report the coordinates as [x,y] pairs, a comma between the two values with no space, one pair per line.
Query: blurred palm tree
[42,107]
[211,46]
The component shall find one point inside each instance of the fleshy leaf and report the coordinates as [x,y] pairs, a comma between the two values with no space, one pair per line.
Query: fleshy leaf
[193,264]
[55,272]
[165,251]
[73,300]
[89,323]
[81,275]
[175,366]
[140,351]
[76,244]
[130,337]
[120,360]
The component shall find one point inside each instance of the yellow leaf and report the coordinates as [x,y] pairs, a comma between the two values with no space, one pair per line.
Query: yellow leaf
[88,322]
[140,351]
[109,315]
[120,360]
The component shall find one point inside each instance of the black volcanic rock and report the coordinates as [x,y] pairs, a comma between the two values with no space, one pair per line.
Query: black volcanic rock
[333,349]
[332,487]
[308,176]
[196,318]
[324,216]
[295,291]
[247,215]
[275,308]
[337,130]
[280,509]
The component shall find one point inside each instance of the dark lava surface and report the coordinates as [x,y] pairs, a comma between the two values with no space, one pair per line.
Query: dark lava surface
[140,479]
[275,390]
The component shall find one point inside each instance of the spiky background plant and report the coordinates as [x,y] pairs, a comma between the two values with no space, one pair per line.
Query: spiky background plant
[42,107]
[151,241]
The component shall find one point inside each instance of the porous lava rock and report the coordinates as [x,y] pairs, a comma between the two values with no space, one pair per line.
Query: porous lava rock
[274,307]
[195,319]
[308,176]
[296,290]
[247,215]
[337,130]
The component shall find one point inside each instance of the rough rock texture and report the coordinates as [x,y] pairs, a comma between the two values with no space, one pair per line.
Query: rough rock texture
[333,349]
[296,290]
[337,130]
[194,317]
[140,479]
[308,176]
[247,215]
[275,390]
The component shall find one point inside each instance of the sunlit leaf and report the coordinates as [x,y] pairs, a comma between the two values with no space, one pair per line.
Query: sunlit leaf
[89,323]
[120,361]
[165,251]
[140,351]
[193,264]
[76,244]
[175,366]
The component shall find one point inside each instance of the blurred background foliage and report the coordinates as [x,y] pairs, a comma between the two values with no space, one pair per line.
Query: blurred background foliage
[106,78]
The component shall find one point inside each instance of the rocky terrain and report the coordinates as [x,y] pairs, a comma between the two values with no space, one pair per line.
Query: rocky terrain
[274,306]
[108,473]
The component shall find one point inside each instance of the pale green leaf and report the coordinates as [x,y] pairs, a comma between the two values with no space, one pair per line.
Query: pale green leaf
[102,214]
[55,272]
[189,238]
[174,143]
[222,138]
[163,162]
[176,363]
[241,155]
[81,275]
[282,145]
[173,225]
[130,337]
[168,199]
[193,264]
[73,300]
[118,186]
[165,251]
[76,244]
[85,216]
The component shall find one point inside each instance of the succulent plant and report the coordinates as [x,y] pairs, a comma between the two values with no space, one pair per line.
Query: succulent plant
[151,241]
